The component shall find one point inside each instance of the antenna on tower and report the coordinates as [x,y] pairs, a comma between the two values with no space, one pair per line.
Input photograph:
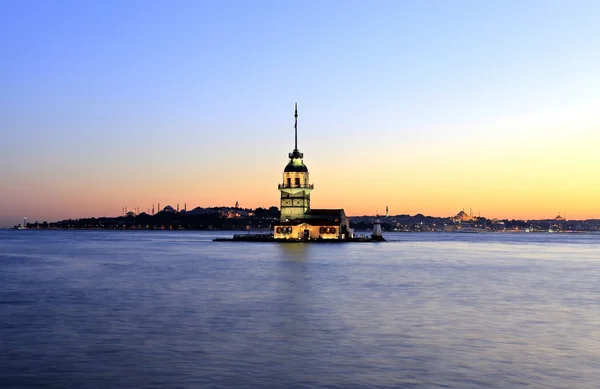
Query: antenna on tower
[295,126]
[296,154]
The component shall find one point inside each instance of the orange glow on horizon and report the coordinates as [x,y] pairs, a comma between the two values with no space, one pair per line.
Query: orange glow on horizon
[514,174]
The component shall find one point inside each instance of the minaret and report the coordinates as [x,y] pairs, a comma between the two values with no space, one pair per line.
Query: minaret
[386,211]
[295,189]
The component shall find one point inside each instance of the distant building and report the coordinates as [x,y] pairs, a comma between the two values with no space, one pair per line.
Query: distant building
[232,213]
[462,216]
[169,209]
[204,211]
[298,220]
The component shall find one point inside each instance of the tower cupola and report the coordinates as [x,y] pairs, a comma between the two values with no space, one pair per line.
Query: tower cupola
[296,163]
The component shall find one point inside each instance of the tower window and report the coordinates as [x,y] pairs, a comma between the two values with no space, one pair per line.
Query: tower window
[297,181]
[289,181]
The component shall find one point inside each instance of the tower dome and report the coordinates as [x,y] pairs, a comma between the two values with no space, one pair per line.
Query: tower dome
[295,165]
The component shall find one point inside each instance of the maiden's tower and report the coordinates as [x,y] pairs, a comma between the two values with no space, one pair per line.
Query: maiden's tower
[298,220]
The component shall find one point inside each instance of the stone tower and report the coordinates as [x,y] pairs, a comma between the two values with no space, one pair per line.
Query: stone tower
[295,189]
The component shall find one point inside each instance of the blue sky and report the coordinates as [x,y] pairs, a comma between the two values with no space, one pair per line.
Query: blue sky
[125,91]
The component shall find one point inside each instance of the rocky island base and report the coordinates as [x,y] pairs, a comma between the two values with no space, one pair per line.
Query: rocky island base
[269,238]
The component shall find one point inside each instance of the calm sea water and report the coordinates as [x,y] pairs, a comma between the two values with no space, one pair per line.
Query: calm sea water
[157,309]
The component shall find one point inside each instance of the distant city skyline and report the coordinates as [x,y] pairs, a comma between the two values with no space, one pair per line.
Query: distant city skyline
[428,107]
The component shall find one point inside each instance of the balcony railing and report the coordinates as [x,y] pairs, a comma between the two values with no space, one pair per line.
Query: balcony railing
[286,186]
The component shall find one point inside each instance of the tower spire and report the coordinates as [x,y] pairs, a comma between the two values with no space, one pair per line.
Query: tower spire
[296,154]
[296,127]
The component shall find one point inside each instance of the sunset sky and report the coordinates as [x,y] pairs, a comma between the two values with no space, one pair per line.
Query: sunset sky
[426,106]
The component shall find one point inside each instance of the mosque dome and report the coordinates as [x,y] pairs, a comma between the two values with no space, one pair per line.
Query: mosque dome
[169,209]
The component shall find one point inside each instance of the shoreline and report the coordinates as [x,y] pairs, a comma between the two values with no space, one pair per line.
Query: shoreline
[366,232]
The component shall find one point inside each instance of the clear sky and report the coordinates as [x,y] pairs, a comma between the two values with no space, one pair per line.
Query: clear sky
[425,106]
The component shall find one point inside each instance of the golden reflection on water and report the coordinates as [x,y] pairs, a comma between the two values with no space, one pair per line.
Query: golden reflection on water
[295,251]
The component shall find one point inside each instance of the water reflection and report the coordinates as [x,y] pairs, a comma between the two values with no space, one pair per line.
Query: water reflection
[97,310]
[294,251]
